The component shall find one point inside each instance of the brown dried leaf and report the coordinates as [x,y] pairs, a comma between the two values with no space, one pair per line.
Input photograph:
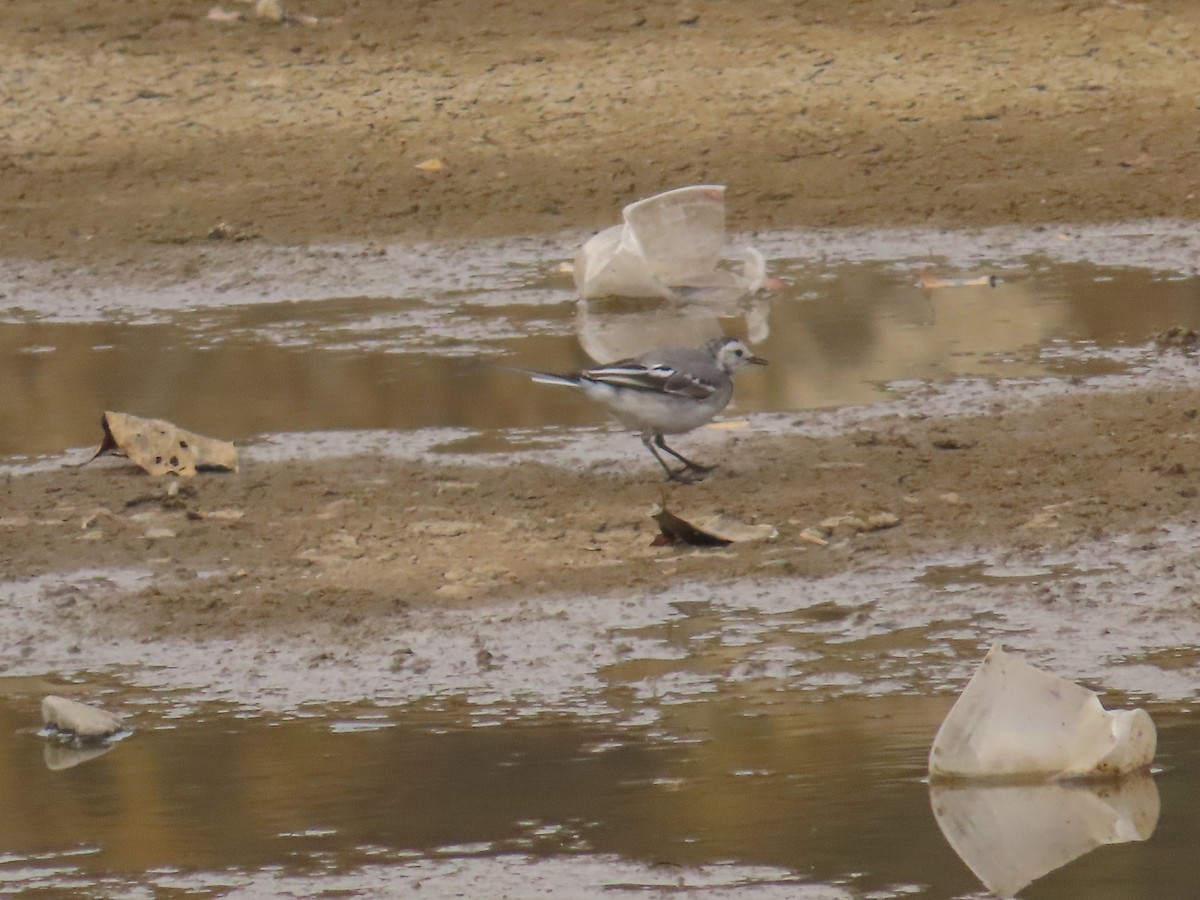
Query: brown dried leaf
[680,531]
[162,448]
[708,531]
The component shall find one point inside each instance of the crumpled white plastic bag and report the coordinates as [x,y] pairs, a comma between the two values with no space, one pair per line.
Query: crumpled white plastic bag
[670,245]
[1015,721]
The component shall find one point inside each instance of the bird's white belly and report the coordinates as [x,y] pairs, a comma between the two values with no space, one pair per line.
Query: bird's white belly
[663,413]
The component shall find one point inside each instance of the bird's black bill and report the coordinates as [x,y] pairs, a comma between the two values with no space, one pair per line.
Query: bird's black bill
[756,361]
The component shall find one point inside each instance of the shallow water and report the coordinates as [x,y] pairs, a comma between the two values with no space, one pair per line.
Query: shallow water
[436,349]
[820,794]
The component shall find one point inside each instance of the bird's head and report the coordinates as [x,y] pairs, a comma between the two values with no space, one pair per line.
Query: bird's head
[731,354]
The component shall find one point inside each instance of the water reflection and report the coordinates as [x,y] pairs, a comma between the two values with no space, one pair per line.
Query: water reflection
[816,794]
[1011,835]
[59,756]
[801,794]
[836,334]
[619,327]
[612,328]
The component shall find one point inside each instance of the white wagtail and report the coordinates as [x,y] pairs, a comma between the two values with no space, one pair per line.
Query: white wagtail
[667,391]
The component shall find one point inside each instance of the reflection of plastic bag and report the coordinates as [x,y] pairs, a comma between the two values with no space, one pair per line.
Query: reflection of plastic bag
[670,246]
[1013,720]
[612,328]
[59,756]
[1009,835]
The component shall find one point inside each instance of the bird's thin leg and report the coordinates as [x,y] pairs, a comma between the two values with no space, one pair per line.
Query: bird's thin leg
[694,466]
[649,439]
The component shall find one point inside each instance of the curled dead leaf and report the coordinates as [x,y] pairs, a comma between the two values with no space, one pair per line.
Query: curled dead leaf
[707,531]
[162,448]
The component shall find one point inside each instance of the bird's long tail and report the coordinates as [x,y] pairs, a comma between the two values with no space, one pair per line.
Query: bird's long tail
[541,377]
[549,378]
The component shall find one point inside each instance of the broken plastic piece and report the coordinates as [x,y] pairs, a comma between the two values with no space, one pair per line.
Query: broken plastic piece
[162,448]
[1015,721]
[669,246]
[78,719]
[269,11]
[1010,835]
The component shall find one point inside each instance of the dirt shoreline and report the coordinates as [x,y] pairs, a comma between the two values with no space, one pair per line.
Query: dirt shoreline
[130,126]
[367,536]
[135,125]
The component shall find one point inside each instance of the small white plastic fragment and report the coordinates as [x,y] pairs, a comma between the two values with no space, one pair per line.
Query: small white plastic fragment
[217,14]
[1010,835]
[269,11]
[669,246]
[78,718]
[1015,721]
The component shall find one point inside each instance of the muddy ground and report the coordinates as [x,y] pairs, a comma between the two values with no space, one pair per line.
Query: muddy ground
[128,124]
[348,540]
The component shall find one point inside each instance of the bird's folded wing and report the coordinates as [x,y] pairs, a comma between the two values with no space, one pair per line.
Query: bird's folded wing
[657,379]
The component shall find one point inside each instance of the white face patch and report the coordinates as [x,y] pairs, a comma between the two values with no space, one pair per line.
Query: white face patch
[733,356]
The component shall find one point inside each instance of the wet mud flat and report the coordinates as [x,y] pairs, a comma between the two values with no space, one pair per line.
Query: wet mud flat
[340,551]
[1084,466]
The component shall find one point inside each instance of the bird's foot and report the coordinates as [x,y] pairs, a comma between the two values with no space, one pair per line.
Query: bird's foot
[688,474]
